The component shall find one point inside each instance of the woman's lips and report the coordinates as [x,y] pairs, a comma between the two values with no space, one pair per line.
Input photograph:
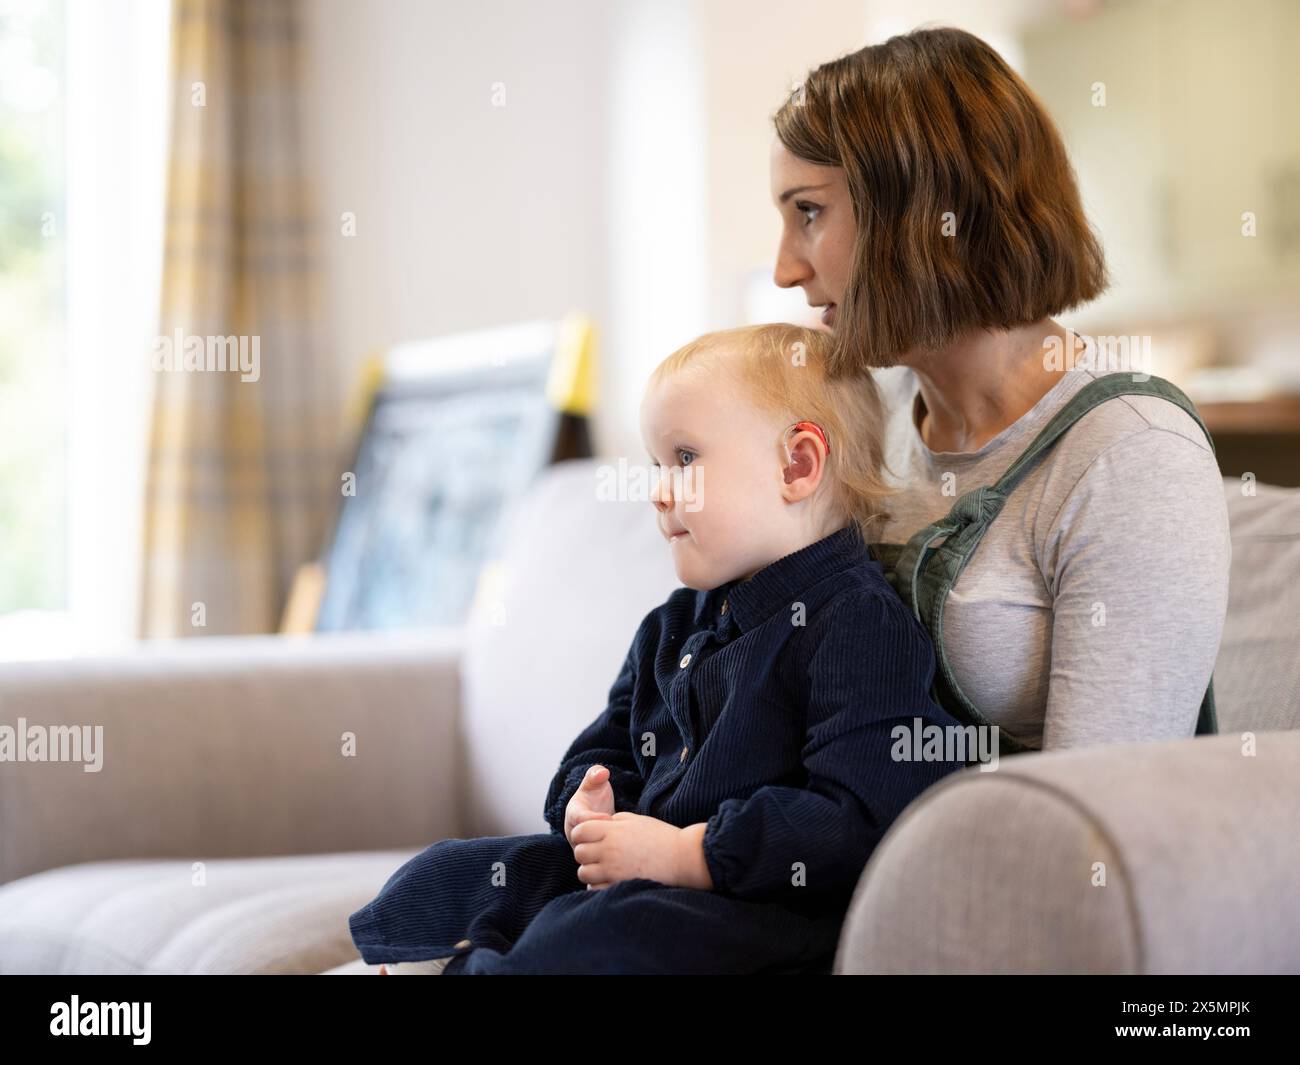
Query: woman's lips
[828,314]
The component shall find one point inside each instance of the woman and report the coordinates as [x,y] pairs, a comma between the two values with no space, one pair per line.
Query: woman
[929,207]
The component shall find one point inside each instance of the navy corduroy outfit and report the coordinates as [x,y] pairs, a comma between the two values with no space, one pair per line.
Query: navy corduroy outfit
[767,707]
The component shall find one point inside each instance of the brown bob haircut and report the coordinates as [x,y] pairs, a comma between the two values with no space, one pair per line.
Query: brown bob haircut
[929,122]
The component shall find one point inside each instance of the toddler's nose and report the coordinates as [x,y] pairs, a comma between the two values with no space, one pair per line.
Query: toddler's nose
[661,491]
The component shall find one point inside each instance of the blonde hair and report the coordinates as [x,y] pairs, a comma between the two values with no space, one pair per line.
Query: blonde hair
[783,369]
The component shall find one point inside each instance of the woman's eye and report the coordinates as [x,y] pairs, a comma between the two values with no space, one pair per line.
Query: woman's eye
[804,207]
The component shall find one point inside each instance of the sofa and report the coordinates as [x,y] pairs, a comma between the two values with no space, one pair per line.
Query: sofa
[255,791]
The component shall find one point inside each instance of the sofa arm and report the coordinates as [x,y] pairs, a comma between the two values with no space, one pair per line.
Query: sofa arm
[227,747]
[1002,872]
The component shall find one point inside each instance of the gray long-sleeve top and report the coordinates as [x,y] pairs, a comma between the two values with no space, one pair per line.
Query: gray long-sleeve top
[1093,609]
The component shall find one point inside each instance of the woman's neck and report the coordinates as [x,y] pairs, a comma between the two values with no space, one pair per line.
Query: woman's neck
[975,387]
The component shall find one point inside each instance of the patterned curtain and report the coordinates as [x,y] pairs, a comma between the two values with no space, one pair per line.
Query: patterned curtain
[242,463]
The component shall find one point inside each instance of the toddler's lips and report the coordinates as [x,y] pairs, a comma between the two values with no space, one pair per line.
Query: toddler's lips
[676,536]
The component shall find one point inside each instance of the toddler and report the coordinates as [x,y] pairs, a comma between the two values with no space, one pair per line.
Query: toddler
[717,815]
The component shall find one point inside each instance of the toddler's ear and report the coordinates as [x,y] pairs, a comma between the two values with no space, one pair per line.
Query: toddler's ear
[801,461]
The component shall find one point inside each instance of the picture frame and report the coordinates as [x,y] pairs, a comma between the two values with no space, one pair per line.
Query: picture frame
[454,429]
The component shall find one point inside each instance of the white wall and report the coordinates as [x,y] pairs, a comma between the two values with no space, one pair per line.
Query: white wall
[658,230]
[467,214]
[627,174]
[755,53]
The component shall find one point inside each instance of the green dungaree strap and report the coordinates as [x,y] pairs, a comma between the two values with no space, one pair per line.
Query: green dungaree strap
[924,569]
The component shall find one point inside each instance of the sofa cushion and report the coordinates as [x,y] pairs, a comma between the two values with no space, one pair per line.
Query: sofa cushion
[1257,672]
[254,915]
[1175,856]
[551,626]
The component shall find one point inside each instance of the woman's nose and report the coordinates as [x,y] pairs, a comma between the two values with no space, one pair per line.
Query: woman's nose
[790,269]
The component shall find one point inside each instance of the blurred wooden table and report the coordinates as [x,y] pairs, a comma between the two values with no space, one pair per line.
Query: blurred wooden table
[1260,437]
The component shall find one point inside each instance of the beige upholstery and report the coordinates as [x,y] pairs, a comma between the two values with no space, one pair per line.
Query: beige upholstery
[540,660]
[252,915]
[235,747]
[229,753]
[214,751]
[1257,673]
[1003,872]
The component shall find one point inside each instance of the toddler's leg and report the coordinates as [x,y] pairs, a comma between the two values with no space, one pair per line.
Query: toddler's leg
[640,926]
[486,889]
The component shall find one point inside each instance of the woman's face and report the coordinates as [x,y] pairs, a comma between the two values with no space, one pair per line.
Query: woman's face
[817,229]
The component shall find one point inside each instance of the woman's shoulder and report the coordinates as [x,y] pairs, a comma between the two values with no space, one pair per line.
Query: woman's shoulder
[1129,461]
[1127,415]
[1139,438]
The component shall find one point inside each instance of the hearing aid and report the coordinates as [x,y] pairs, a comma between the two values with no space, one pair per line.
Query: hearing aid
[811,426]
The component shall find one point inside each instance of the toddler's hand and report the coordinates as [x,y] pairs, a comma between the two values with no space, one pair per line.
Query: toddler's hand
[593,799]
[629,845]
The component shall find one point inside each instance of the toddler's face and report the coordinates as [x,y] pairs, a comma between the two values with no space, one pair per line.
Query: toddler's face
[720,494]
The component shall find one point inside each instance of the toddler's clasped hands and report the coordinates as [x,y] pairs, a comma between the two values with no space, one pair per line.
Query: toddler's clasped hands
[610,846]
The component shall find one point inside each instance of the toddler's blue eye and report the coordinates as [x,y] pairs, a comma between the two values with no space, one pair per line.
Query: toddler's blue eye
[681,453]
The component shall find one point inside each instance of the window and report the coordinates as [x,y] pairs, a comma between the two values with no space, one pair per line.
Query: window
[83,124]
[33,367]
